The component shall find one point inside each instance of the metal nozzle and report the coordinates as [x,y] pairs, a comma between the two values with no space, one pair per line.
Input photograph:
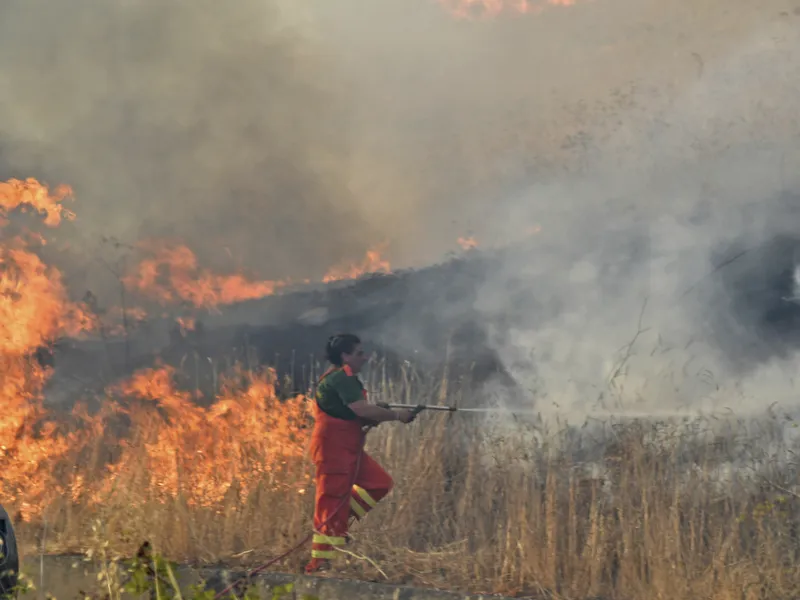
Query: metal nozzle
[420,407]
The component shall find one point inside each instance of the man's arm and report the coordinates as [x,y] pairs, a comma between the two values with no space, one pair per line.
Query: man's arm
[372,412]
[351,393]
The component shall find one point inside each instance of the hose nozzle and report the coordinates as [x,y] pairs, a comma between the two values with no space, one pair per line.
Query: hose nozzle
[418,408]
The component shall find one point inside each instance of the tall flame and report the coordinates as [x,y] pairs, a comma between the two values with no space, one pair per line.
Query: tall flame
[180,448]
[34,311]
[149,440]
[33,305]
[34,308]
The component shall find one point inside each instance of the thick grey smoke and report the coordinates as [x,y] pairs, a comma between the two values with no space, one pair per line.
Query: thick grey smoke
[642,137]
[287,136]
[210,124]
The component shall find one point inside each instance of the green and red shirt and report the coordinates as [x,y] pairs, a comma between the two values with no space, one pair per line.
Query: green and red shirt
[337,389]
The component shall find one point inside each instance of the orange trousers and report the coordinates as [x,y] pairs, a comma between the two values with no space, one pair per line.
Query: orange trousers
[342,493]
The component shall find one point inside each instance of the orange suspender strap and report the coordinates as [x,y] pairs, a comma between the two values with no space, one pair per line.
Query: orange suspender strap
[349,372]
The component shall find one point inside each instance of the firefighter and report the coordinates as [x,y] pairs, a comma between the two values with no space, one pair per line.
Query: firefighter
[341,414]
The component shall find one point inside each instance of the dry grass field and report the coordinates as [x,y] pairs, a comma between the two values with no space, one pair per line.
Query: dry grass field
[639,510]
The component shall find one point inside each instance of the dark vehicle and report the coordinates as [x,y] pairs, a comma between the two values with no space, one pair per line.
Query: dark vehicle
[9,557]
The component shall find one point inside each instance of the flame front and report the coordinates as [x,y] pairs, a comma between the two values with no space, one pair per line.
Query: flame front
[468,9]
[16,194]
[34,311]
[373,262]
[149,439]
[172,275]
[176,448]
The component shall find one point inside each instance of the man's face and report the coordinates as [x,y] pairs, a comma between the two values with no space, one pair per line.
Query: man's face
[356,360]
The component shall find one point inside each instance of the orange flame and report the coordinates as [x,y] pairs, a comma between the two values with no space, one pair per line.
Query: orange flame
[172,275]
[467,243]
[186,324]
[34,311]
[33,305]
[180,448]
[166,446]
[34,308]
[119,322]
[16,194]
[469,9]
[372,263]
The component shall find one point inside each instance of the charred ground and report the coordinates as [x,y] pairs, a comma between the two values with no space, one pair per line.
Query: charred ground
[425,320]
[417,319]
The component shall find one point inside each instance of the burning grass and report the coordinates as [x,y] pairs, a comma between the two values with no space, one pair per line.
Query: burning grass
[627,511]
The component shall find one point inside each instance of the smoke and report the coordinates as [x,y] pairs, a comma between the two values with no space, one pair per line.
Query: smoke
[284,137]
[647,141]
[219,126]
[674,290]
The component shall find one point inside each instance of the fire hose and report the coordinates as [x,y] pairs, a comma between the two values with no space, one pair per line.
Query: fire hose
[415,410]
[302,542]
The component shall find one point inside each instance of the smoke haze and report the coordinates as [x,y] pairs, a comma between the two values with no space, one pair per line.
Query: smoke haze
[641,136]
[676,295]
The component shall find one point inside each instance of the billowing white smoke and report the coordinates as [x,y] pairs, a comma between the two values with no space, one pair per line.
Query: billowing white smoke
[625,324]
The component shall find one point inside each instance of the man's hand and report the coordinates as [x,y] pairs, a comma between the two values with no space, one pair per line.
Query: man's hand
[406,416]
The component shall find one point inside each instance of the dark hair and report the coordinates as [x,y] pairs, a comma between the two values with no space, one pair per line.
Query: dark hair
[342,343]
